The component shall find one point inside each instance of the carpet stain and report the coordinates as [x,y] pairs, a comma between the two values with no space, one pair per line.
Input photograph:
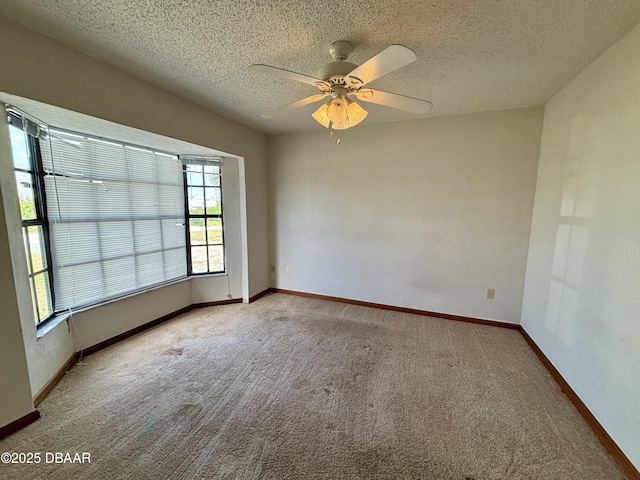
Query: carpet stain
[176,351]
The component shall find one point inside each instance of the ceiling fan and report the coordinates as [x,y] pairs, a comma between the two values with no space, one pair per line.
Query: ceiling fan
[340,80]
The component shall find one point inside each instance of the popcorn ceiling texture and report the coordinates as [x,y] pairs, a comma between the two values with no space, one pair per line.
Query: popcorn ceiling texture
[472,56]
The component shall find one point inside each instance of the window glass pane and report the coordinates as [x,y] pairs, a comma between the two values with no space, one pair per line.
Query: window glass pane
[195,200]
[212,176]
[119,275]
[25,237]
[197,231]
[25,192]
[216,258]
[194,168]
[212,200]
[194,178]
[214,230]
[19,148]
[36,247]
[41,282]
[199,259]
[147,235]
[149,268]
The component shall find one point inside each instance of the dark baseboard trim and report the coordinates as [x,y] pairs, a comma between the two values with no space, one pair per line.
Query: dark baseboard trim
[598,429]
[19,424]
[44,391]
[133,331]
[447,316]
[260,295]
[216,303]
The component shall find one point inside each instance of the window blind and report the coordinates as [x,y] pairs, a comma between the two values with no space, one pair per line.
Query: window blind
[116,216]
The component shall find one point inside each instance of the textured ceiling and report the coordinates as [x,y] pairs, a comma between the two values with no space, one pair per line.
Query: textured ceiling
[473,55]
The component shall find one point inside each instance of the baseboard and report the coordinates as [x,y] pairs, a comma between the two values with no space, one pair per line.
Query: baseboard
[216,303]
[133,331]
[19,424]
[44,391]
[608,442]
[259,295]
[382,306]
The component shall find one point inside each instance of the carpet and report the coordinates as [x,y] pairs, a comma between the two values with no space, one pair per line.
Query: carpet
[297,388]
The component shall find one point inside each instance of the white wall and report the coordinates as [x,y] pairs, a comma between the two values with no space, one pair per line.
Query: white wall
[15,391]
[42,69]
[582,295]
[92,326]
[422,214]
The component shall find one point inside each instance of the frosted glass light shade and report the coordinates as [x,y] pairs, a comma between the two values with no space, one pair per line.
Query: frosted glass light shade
[320,115]
[337,111]
[356,114]
[340,113]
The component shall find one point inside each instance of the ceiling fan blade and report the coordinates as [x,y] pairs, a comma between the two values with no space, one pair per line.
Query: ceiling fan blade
[280,72]
[291,106]
[393,100]
[388,60]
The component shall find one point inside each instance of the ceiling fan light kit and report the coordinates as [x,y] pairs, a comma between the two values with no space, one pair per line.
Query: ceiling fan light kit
[340,113]
[340,79]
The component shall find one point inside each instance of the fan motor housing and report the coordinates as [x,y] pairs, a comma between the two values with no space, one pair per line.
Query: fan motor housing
[336,69]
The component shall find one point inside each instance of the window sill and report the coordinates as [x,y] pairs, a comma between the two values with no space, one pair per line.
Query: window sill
[52,323]
[205,275]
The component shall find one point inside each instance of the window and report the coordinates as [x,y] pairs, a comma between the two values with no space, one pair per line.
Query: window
[203,191]
[103,219]
[25,146]
[116,216]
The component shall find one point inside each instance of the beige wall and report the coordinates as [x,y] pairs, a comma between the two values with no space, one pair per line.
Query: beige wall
[42,69]
[15,393]
[582,294]
[423,214]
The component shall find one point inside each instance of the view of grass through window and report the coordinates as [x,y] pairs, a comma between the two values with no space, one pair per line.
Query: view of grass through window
[204,212]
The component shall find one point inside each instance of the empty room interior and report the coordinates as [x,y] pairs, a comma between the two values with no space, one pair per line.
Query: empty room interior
[252,239]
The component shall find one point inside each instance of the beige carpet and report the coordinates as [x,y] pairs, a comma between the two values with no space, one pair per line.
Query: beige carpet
[290,387]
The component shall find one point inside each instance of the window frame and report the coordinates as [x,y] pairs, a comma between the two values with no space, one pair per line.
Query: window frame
[186,163]
[36,172]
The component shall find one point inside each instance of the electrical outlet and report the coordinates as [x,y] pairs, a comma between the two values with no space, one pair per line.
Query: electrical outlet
[491,293]
[288,268]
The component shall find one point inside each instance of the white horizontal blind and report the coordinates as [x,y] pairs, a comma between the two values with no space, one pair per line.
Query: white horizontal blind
[116,216]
